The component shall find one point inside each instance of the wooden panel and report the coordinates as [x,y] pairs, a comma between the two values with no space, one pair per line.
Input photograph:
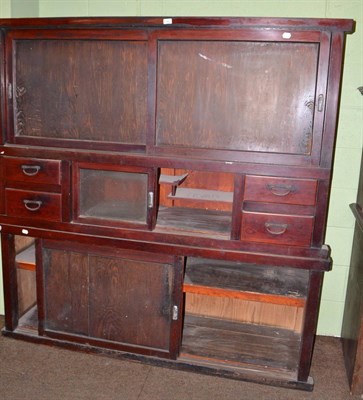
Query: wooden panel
[203,222]
[234,276]
[35,205]
[280,190]
[66,291]
[22,242]
[239,310]
[275,228]
[81,89]
[26,258]
[26,290]
[197,189]
[211,95]
[352,327]
[220,340]
[31,170]
[130,301]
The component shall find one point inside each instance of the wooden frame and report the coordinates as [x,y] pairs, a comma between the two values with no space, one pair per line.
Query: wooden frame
[267,197]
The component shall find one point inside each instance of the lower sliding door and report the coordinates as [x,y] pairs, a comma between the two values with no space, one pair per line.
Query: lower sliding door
[113,298]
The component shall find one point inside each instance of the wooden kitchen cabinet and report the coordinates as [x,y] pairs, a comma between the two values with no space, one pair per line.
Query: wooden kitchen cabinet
[175,178]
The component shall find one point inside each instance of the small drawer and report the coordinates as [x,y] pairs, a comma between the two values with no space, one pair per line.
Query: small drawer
[277,228]
[29,204]
[33,170]
[280,190]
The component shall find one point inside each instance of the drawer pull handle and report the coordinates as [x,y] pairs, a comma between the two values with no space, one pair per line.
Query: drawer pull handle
[32,205]
[275,229]
[281,190]
[30,170]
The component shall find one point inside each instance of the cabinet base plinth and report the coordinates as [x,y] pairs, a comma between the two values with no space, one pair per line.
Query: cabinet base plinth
[248,373]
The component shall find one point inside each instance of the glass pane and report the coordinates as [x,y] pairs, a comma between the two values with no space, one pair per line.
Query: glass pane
[113,195]
[81,89]
[236,95]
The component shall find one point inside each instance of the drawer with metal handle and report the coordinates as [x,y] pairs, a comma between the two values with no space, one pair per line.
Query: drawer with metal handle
[280,190]
[31,204]
[295,230]
[32,170]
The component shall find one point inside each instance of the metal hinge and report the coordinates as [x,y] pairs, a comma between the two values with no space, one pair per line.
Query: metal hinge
[150,200]
[10,91]
[175,313]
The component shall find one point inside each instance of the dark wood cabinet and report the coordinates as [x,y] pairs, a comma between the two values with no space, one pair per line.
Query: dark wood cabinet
[126,299]
[175,180]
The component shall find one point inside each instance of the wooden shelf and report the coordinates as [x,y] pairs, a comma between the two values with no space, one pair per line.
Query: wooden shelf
[202,195]
[219,340]
[26,259]
[285,286]
[173,180]
[188,220]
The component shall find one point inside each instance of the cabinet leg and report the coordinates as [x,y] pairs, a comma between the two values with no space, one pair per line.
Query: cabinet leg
[10,281]
[310,321]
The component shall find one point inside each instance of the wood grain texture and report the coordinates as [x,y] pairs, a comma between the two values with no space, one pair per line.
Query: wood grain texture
[280,190]
[217,339]
[352,326]
[289,282]
[267,312]
[31,170]
[66,275]
[82,89]
[26,289]
[130,301]
[274,228]
[211,95]
[42,206]
[203,222]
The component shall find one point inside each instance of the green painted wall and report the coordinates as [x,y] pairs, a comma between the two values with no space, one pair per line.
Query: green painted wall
[350,132]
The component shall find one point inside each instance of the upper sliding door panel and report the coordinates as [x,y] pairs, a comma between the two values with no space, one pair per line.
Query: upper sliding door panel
[237,96]
[80,89]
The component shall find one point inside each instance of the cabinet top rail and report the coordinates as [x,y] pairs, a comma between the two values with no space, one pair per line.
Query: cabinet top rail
[346,25]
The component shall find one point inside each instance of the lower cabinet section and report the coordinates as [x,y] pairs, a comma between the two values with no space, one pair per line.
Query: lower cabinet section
[126,299]
[244,321]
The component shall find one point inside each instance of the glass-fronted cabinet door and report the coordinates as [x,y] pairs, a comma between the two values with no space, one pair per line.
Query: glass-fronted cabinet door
[77,89]
[113,195]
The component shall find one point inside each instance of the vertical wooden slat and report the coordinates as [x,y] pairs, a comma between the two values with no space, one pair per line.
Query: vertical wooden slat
[10,282]
[332,98]
[66,291]
[66,191]
[151,91]
[321,89]
[321,213]
[177,300]
[3,118]
[39,262]
[9,103]
[310,321]
[239,184]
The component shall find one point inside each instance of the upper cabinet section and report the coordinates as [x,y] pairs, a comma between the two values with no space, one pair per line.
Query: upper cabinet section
[237,90]
[78,90]
[237,95]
